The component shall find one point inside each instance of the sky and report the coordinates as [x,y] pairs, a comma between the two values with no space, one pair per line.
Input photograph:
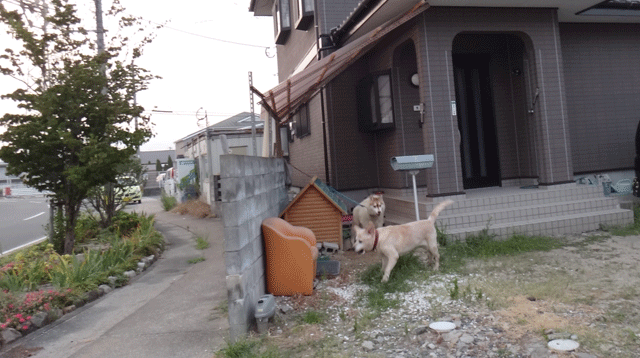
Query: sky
[204,55]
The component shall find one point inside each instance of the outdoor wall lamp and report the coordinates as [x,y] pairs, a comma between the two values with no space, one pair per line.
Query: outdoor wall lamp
[415,80]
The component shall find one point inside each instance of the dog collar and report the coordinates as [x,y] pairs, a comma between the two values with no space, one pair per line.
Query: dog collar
[375,241]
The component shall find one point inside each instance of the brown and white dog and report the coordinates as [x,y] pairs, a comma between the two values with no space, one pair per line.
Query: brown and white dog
[393,241]
[370,209]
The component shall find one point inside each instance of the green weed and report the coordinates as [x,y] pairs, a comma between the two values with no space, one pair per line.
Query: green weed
[168,202]
[196,260]
[313,317]
[485,245]
[631,229]
[202,243]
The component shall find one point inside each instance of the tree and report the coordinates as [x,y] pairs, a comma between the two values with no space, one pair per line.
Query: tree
[103,199]
[169,162]
[158,165]
[77,124]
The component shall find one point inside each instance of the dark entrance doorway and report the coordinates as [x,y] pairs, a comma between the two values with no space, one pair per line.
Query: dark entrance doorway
[476,121]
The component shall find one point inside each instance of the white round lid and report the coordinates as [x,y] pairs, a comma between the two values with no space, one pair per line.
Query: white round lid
[564,345]
[442,326]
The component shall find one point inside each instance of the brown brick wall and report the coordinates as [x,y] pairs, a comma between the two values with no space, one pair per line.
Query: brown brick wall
[307,153]
[603,93]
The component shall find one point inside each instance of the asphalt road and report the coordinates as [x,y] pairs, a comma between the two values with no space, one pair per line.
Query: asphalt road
[22,221]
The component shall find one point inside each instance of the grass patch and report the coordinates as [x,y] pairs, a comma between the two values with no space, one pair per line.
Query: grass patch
[168,202]
[453,255]
[409,267]
[631,229]
[28,276]
[248,349]
[202,243]
[196,260]
[314,317]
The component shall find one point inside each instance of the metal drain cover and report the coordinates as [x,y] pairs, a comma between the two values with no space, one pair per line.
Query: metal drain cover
[442,326]
[564,345]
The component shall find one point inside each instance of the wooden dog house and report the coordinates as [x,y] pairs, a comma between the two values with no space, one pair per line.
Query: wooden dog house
[319,209]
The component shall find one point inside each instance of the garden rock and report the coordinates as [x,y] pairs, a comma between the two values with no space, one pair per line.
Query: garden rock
[112,280]
[130,274]
[93,295]
[68,309]
[39,319]
[105,289]
[9,335]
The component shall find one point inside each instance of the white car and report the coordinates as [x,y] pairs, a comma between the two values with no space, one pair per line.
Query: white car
[129,190]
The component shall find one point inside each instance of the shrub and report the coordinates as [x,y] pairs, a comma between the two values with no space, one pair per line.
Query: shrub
[16,312]
[168,202]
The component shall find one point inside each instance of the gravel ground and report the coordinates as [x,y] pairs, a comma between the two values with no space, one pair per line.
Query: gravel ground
[509,306]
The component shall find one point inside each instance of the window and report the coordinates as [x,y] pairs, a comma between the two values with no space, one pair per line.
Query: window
[282,20]
[375,102]
[239,150]
[302,127]
[305,14]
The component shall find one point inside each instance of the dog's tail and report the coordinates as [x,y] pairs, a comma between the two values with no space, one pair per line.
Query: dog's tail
[434,214]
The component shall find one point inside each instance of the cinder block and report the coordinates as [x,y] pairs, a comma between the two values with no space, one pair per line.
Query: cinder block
[233,262]
[235,237]
[262,166]
[249,165]
[232,166]
[246,257]
[279,165]
[260,183]
[258,248]
[233,189]
[237,332]
[229,213]
[249,186]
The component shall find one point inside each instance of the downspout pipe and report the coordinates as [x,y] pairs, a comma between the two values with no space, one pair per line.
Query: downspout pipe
[322,104]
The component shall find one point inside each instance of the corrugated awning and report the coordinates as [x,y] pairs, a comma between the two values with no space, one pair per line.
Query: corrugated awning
[289,95]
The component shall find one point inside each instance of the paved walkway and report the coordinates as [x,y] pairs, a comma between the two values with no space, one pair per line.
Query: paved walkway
[173,309]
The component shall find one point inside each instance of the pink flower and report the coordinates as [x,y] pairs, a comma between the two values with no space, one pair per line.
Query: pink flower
[18,315]
[22,320]
[28,318]
[3,326]
[25,327]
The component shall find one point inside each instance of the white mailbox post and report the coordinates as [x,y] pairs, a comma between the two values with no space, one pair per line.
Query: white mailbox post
[413,164]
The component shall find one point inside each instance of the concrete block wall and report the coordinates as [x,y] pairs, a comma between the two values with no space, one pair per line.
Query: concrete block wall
[252,189]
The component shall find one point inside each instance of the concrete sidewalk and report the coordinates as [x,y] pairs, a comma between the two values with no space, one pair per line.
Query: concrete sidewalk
[173,309]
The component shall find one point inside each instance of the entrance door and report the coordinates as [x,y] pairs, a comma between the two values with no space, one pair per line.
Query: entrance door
[476,121]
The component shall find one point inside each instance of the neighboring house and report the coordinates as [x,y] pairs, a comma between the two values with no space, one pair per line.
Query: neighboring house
[235,133]
[502,93]
[148,159]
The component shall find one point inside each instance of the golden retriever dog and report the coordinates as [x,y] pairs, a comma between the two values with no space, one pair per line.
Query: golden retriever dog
[393,241]
[370,209]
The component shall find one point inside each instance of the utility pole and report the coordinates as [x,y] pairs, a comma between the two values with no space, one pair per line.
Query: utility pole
[253,117]
[99,27]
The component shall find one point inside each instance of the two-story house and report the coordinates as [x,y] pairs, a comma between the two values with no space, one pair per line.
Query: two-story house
[503,93]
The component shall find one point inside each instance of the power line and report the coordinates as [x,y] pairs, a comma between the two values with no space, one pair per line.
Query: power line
[192,114]
[209,37]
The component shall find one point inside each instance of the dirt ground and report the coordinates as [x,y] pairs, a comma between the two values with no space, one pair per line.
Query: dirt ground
[589,290]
